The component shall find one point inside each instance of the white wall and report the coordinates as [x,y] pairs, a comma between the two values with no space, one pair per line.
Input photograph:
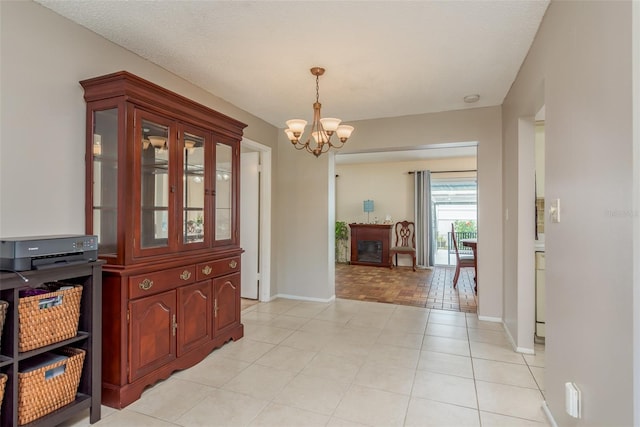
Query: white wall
[579,67]
[304,188]
[390,186]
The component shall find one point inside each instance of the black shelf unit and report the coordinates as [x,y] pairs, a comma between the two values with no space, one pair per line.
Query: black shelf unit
[88,338]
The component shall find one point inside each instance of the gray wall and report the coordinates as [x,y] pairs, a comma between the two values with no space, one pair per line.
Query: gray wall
[44,56]
[579,67]
[306,190]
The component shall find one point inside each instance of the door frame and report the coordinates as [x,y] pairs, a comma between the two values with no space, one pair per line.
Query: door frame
[264,249]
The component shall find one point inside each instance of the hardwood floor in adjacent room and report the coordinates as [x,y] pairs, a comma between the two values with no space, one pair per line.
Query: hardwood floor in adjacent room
[422,288]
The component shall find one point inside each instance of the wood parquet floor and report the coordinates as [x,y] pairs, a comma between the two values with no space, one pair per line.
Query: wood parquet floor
[422,288]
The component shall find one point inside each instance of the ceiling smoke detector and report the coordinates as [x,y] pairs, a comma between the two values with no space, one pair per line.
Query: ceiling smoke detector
[470,99]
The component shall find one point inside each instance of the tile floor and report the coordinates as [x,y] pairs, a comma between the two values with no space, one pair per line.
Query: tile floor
[349,363]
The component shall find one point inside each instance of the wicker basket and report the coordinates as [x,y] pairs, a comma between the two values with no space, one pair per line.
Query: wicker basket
[3,314]
[3,382]
[39,395]
[48,318]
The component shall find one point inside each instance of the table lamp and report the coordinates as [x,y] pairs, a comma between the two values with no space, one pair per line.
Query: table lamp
[367,206]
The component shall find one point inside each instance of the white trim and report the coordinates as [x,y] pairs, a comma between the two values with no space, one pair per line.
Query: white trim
[265,217]
[299,298]
[490,319]
[547,413]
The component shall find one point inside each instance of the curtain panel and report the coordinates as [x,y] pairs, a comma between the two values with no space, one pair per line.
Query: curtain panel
[425,241]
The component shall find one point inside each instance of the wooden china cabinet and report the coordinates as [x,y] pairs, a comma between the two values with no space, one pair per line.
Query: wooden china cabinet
[162,183]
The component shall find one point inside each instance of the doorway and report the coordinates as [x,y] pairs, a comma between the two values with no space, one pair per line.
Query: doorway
[255,220]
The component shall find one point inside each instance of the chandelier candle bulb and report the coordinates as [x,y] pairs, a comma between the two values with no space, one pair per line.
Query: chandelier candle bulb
[322,129]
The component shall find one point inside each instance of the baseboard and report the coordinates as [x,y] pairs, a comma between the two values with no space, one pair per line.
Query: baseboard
[547,413]
[300,298]
[490,319]
[515,347]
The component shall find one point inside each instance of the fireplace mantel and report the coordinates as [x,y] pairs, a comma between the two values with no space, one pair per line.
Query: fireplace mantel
[370,244]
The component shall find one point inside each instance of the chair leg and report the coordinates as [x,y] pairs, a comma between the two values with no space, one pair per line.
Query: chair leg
[390,261]
[414,263]
[456,275]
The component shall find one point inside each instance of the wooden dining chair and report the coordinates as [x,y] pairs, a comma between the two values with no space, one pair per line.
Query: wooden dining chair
[405,242]
[461,260]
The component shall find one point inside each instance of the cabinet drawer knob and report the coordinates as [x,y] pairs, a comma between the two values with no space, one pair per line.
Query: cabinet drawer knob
[233,263]
[185,275]
[207,270]
[146,284]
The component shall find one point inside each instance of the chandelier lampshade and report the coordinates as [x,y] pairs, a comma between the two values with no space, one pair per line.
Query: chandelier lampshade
[319,139]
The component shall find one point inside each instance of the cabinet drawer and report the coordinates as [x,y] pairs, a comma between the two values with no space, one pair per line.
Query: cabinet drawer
[219,267]
[152,283]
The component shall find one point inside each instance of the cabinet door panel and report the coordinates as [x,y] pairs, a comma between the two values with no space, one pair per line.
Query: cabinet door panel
[194,318]
[227,302]
[155,160]
[151,333]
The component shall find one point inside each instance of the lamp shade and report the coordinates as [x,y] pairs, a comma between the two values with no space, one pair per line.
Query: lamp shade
[367,206]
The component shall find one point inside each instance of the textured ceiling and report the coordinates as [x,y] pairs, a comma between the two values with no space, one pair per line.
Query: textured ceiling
[383,58]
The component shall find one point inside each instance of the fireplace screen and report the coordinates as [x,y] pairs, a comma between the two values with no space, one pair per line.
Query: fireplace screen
[370,251]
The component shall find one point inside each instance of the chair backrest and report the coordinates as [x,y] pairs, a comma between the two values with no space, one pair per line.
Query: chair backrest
[455,243]
[405,232]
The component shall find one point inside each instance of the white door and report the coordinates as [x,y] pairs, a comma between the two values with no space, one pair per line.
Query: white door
[249,222]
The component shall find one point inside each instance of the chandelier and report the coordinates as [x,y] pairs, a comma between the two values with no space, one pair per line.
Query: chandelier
[322,129]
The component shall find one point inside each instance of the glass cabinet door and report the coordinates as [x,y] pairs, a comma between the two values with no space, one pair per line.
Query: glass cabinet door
[153,149]
[104,151]
[194,216]
[225,184]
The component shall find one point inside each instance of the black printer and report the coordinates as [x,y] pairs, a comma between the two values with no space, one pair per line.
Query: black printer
[40,252]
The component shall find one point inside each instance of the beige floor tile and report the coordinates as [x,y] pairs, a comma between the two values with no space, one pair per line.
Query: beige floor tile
[406,323]
[223,408]
[510,400]
[446,345]
[322,327]
[497,352]
[444,363]
[497,420]
[129,418]
[329,366]
[286,358]
[306,341]
[372,407]
[488,336]
[538,375]
[307,309]
[400,339]
[287,322]
[535,359]
[448,331]
[170,399]
[268,334]
[337,422]
[474,323]
[281,415]
[261,382]
[313,394]
[445,388]
[213,371]
[428,413]
[277,306]
[246,349]
[504,373]
[385,376]
[447,319]
[395,356]
[257,316]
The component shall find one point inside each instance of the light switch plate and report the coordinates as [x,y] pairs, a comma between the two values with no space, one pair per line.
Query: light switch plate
[554,210]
